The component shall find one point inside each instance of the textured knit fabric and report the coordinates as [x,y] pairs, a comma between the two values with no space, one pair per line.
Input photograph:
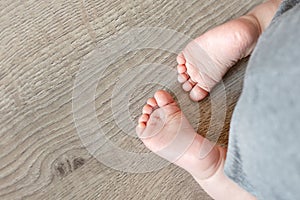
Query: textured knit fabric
[263,153]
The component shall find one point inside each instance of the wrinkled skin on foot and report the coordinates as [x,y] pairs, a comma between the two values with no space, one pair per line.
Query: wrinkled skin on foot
[165,130]
[204,61]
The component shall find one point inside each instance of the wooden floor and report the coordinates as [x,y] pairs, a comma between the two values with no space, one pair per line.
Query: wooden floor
[45,45]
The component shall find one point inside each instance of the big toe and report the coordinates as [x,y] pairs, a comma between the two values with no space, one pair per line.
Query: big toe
[197,93]
[163,98]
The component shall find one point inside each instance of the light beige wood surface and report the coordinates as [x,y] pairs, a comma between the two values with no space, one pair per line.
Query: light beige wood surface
[42,47]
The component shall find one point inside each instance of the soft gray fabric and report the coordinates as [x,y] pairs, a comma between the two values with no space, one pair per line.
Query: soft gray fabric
[263,153]
[285,6]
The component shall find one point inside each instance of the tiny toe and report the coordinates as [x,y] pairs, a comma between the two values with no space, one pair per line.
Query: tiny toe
[140,128]
[180,58]
[147,109]
[187,86]
[181,69]
[152,102]
[197,93]
[144,118]
[163,98]
[182,78]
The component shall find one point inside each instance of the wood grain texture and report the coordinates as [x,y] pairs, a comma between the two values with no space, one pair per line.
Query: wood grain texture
[43,44]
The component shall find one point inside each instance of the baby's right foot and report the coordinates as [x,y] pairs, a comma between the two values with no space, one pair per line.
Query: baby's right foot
[204,61]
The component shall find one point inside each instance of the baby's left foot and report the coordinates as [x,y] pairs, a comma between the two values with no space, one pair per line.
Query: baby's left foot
[165,130]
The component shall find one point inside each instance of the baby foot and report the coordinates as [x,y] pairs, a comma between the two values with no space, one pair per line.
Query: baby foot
[204,61]
[165,130]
